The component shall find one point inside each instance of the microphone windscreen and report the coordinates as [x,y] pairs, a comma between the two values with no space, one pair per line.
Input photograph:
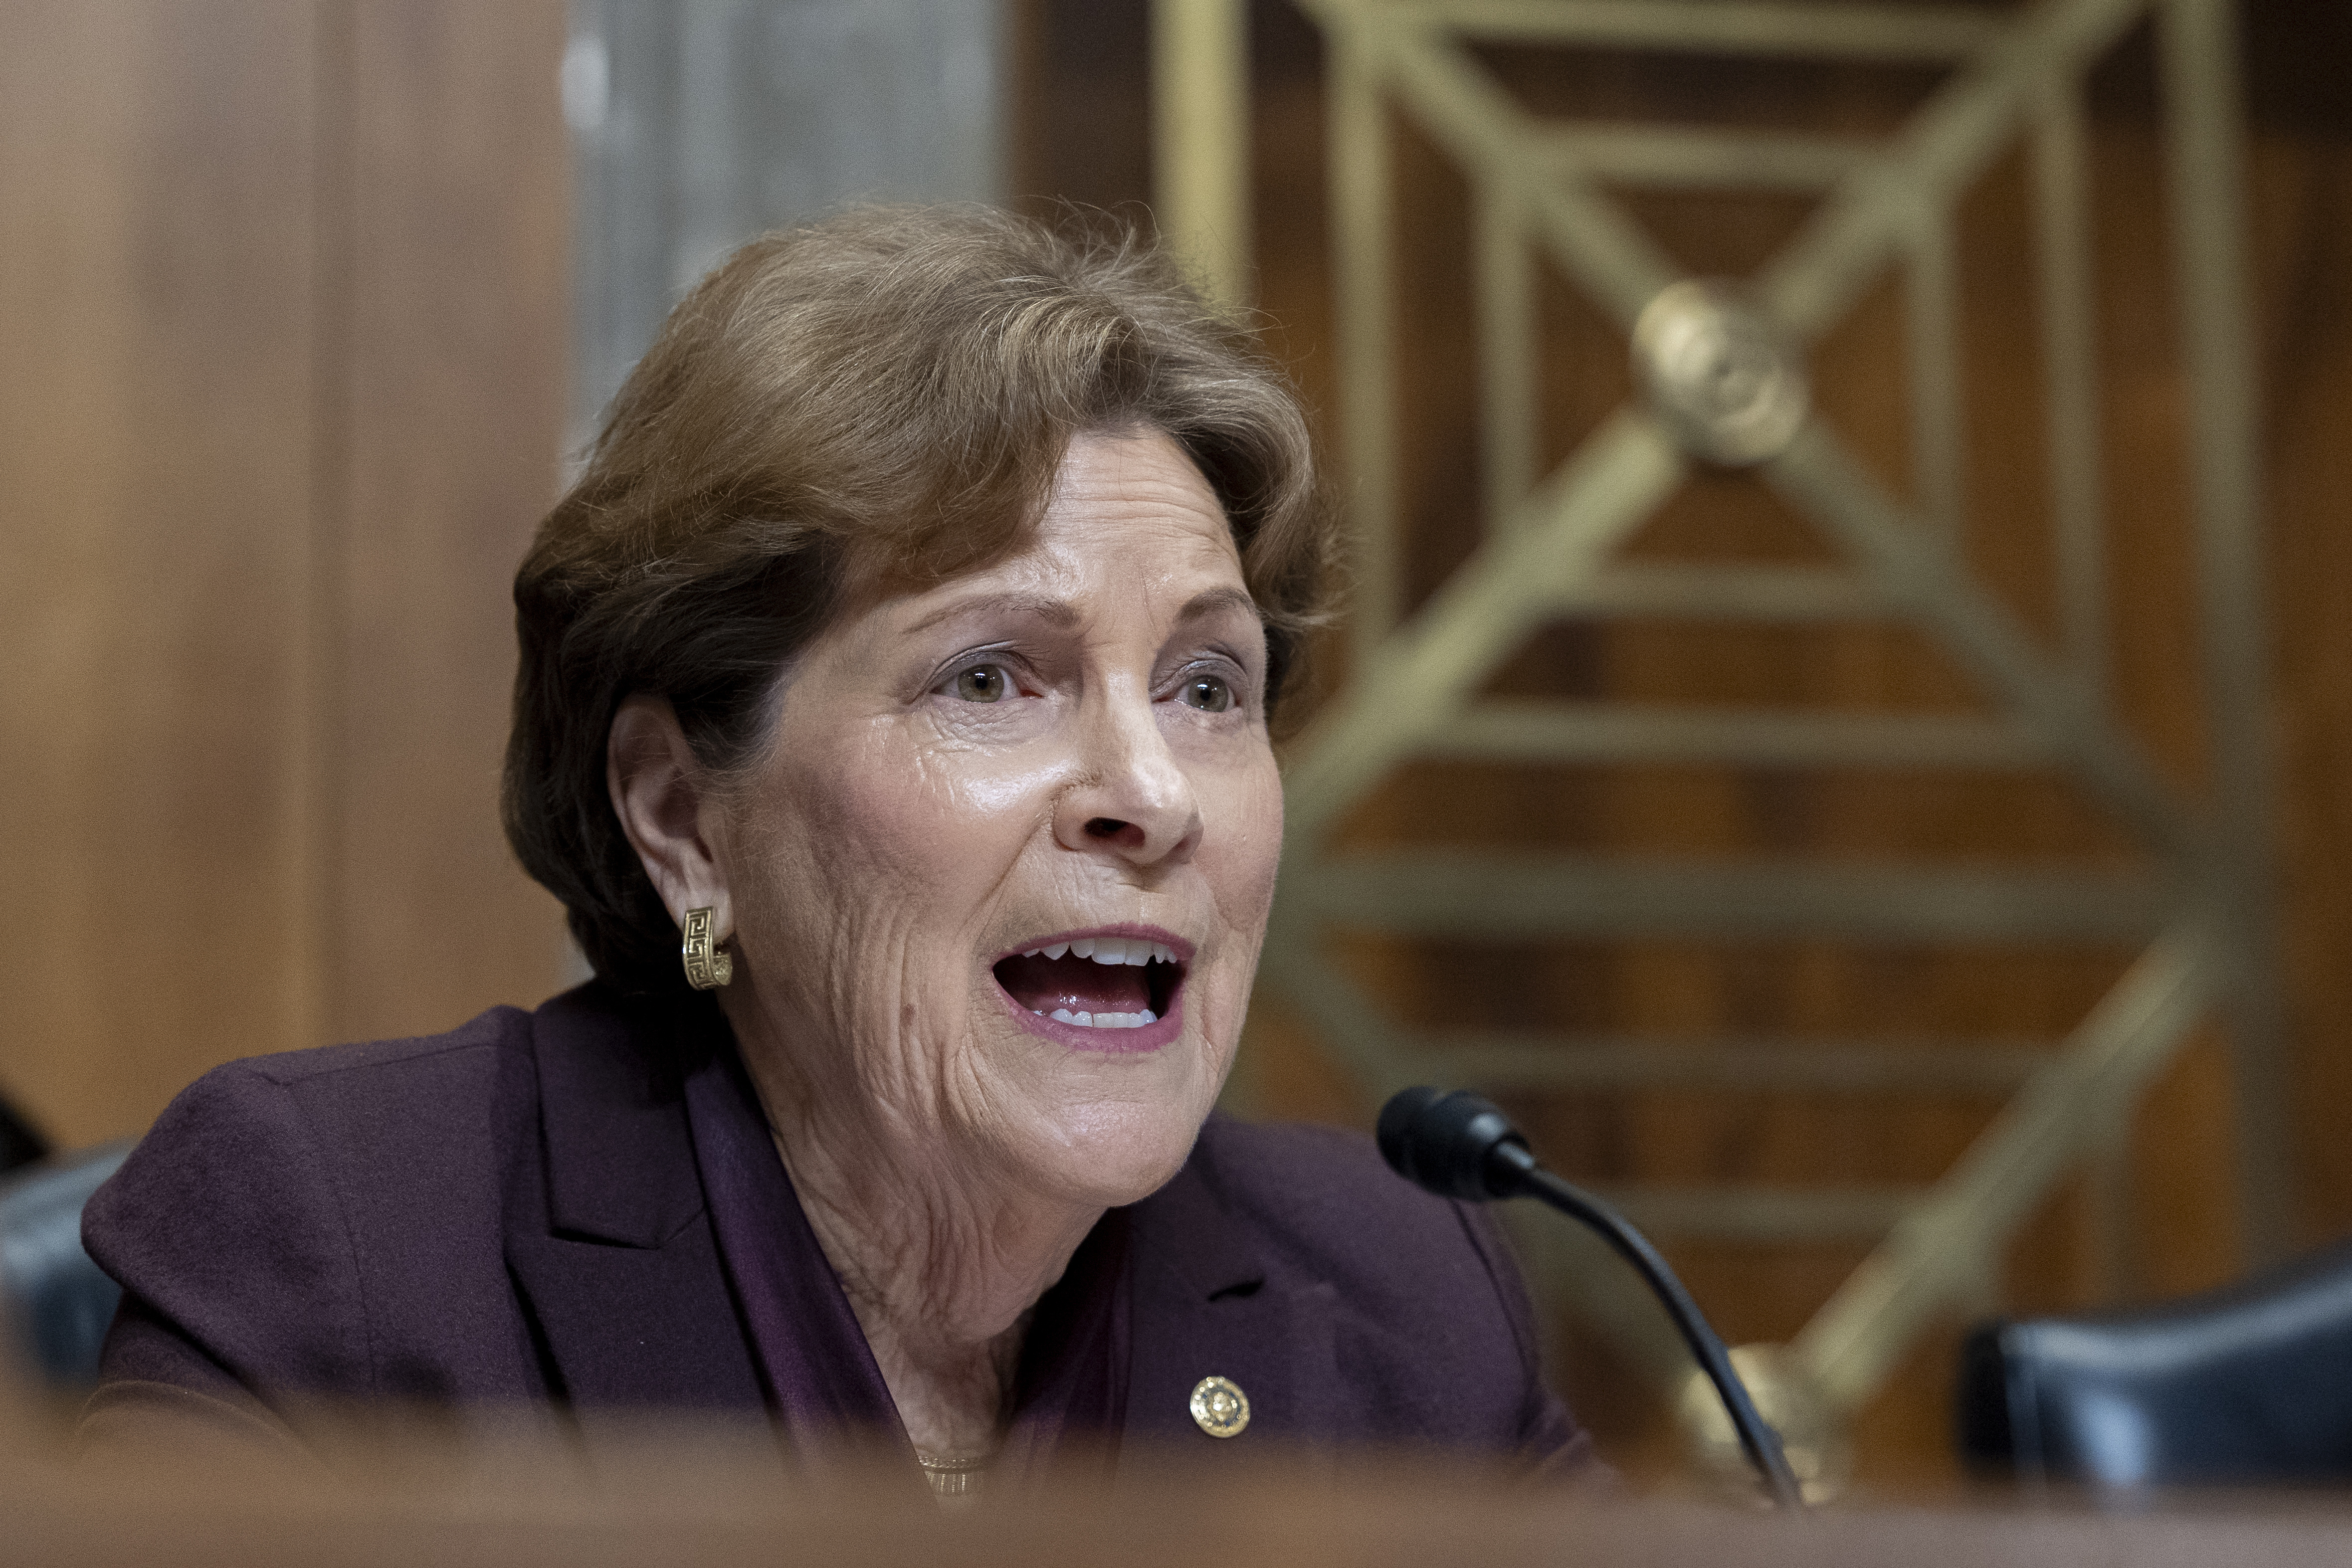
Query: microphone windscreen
[1394,1132]
[1446,1143]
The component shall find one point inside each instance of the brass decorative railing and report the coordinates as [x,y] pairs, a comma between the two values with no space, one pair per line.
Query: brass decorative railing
[1723,382]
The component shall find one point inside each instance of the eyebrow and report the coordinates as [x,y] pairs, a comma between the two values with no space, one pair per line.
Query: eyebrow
[1062,613]
[1212,600]
[1038,606]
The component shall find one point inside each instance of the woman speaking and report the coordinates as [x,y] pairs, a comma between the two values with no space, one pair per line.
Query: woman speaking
[892,721]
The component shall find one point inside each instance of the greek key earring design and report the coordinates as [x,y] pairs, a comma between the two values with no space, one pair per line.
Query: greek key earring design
[708,965]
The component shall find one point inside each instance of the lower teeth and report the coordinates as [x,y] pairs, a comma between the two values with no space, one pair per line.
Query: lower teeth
[1104,1020]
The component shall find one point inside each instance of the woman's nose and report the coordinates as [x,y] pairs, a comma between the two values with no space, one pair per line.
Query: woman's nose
[1133,799]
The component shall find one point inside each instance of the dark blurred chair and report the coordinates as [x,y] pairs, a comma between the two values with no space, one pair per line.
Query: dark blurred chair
[57,1304]
[19,1144]
[2250,1384]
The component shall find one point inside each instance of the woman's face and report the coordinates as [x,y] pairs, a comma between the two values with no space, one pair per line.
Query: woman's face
[1000,884]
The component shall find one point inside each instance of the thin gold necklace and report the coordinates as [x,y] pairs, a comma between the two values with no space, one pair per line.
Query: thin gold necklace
[958,1477]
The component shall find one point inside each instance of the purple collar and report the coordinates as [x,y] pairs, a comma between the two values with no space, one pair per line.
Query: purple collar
[820,1376]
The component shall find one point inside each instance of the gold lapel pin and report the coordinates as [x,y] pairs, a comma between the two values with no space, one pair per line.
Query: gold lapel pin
[1220,1407]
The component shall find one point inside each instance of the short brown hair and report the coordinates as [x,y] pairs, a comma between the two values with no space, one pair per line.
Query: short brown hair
[889,392]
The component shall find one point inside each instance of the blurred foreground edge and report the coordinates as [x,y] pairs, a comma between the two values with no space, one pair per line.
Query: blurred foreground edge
[448,1490]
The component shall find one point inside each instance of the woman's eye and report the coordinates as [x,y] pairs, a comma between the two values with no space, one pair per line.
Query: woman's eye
[983,683]
[1210,693]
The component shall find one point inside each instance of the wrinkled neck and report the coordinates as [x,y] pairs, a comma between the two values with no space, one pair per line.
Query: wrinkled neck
[941,1256]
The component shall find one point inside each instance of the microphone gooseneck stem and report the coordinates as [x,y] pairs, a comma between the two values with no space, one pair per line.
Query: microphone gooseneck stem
[1757,1436]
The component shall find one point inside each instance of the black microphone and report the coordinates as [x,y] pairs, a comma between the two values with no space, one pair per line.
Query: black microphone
[1460,1146]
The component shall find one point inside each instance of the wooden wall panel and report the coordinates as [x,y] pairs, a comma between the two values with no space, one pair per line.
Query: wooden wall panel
[2303,245]
[281,320]
[453,396]
[156,424]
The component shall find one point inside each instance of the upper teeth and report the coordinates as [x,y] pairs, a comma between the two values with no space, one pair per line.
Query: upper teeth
[1105,1020]
[1109,950]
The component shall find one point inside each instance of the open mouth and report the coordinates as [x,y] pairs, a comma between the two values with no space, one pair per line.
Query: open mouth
[1095,982]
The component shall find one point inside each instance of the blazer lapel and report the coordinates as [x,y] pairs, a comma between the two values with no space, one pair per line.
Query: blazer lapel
[1204,1305]
[608,1236]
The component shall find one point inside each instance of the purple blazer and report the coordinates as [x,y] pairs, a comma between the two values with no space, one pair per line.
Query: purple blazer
[511,1214]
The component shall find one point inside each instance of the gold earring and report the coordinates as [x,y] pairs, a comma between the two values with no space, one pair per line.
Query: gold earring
[708,965]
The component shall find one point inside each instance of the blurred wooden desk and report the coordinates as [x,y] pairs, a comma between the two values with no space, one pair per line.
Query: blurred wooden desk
[692,1498]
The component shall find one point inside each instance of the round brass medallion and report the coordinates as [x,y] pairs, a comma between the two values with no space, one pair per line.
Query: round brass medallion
[1724,379]
[1220,1406]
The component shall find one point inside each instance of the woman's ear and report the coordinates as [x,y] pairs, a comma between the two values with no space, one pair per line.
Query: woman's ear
[658,789]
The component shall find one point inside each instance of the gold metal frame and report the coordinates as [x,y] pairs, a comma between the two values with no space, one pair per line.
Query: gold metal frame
[2205,915]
